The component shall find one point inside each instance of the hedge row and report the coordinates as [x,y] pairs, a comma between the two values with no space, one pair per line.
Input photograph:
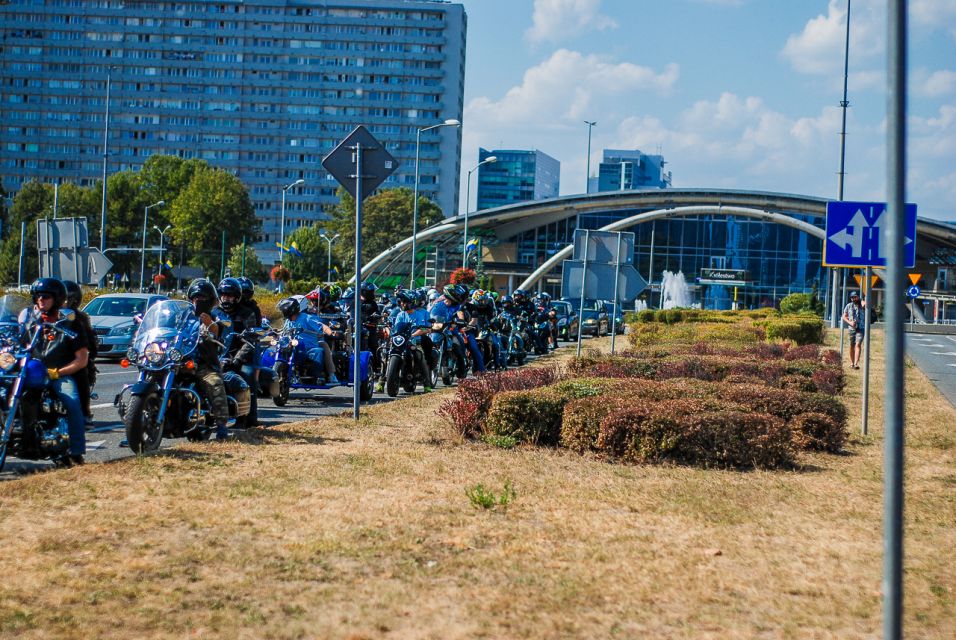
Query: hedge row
[676,316]
[800,329]
[644,335]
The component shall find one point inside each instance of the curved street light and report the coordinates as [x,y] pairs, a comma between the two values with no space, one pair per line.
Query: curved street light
[142,262]
[162,237]
[282,220]
[464,249]
[418,145]
[329,240]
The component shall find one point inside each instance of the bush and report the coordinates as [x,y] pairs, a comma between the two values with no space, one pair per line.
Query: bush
[818,431]
[647,315]
[801,303]
[532,416]
[829,380]
[468,409]
[800,329]
[581,420]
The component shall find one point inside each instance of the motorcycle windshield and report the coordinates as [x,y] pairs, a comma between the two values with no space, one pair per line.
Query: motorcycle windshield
[10,308]
[171,322]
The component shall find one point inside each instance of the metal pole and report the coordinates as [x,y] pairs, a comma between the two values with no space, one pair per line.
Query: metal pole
[76,260]
[587,182]
[844,104]
[56,198]
[835,300]
[864,428]
[584,274]
[617,280]
[222,257]
[895,351]
[23,233]
[282,226]
[142,261]
[464,248]
[418,145]
[328,266]
[650,264]
[842,326]
[159,284]
[106,137]
[357,306]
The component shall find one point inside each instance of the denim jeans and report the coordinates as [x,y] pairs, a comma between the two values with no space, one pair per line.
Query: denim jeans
[65,389]
[477,358]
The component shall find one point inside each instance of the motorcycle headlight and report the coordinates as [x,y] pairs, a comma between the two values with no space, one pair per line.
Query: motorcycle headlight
[398,340]
[132,355]
[154,353]
[175,355]
[7,360]
[295,342]
[590,321]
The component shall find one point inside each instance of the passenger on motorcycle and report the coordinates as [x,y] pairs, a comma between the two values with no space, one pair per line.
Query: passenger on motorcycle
[248,295]
[240,355]
[546,318]
[328,300]
[86,380]
[65,358]
[411,313]
[524,306]
[202,295]
[311,338]
[370,318]
[447,308]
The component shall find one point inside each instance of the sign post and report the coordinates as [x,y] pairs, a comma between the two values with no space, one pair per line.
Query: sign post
[360,164]
[584,278]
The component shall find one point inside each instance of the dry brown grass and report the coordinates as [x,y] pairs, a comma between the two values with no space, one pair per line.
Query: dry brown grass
[331,529]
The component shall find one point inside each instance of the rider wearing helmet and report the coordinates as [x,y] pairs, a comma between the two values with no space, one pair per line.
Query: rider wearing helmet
[411,315]
[312,298]
[65,358]
[240,353]
[483,312]
[85,380]
[204,298]
[248,293]
[329,303]
[371,315]
[449,307]
[312,332]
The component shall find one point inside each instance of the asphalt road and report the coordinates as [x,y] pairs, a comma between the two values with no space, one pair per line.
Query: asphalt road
[935,355]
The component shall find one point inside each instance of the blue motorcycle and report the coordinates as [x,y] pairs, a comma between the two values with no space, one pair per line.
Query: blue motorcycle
[35,425]
[167,400]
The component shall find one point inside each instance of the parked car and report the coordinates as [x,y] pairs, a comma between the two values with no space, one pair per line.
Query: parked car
[113,318]
[619,326]
[595,320]
[567,320]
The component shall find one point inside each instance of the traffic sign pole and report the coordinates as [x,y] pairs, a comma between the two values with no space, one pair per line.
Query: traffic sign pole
[357,300]
[864,428]
[584,276]
[617,279]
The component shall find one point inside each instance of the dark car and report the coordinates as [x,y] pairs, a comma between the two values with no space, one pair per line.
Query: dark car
[612,317]
[567,320]
[595,320]
[113,318]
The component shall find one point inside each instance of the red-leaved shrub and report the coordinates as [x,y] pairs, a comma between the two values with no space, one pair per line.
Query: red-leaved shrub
[818,431]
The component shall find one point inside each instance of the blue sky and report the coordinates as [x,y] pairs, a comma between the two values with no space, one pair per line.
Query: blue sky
[739,94]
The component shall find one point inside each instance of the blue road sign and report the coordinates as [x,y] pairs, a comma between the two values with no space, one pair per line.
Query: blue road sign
[913,291]
[854,235]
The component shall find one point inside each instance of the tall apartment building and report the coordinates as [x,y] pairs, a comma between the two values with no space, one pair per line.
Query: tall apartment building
[516,176]
[261,88]
[622,169]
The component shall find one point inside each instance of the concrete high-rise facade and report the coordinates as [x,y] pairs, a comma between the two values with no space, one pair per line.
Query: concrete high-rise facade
[516,176]
[261,88]
[624,169]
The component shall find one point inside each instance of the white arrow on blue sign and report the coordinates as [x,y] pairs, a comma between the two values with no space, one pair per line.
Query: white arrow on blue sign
[854,235]
[913,292]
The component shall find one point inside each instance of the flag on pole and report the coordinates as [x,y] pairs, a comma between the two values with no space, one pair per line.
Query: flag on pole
[294,250]
[335,273]
[168,264]
[282,247]
[471,246]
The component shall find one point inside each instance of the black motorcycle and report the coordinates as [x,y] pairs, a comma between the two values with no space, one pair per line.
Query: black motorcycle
[405,361]
[167,399]
[35,425]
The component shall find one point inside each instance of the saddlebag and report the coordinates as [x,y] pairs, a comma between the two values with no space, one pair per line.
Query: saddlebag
[238,390]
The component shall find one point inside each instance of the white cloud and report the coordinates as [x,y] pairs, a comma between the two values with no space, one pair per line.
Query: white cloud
[819,48]
[933,84]
[934,14]
[555,20]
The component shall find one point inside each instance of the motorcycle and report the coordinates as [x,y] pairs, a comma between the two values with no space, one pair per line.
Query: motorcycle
[513,344]
[167,399]
[285,364]
[405,361]
[35,425]
[444,340]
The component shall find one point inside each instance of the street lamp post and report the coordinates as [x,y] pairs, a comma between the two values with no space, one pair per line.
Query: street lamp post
[329,240]
[162,237]
[587,183]
[464,250]
[418,145]
[142,262]
[106,156]
[282,221]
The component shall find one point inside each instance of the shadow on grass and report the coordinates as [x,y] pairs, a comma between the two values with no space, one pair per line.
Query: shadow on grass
[272,436]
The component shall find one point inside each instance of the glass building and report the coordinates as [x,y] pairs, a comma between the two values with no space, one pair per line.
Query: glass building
[261,88]
[621,169]
[516,176]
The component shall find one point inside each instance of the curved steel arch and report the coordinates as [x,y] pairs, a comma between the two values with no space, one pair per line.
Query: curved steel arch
[648,216]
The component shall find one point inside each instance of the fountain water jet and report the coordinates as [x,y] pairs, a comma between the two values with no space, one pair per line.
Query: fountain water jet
[674,290]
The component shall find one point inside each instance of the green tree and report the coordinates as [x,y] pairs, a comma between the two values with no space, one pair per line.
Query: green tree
[386,220]
[165,177]
[254,267]
[214,202]
[313,263]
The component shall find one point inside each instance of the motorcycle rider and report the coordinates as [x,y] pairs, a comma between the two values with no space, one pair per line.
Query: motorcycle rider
[526,307]
[86,380]
[328,300]
[371,315]
[312,299]
[447,309]
[545,318]
[248,293]
[202,295]
[65,358]
[484,313]
[411,314]
[240,355]
[312,337]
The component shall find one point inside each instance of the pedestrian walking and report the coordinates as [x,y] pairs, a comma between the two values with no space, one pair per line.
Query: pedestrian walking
[853,320]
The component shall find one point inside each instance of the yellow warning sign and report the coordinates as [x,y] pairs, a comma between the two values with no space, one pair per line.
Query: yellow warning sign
[915,277]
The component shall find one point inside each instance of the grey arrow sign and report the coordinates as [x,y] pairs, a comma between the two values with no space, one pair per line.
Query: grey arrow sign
[599,283]
[377,163]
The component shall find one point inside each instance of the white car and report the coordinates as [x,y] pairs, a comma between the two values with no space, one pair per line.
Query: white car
[113,318]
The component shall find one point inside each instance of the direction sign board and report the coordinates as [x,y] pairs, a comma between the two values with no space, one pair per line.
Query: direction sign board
[736,277]
[913,292]
[599,282]
[377,163]
[602,246]
[854,235]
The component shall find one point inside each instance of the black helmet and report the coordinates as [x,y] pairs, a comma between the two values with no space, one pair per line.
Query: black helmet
[248,288]
[74,295]
[288,307]
[406,297]
[49,286]
[507,302]
[367,291]
[230,287]
[202,294]
[348,294]
[519,295]
[451,293]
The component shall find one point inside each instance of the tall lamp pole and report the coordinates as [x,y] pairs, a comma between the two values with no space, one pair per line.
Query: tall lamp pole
[162,237]
[464,250]
[106,137]
[418,147]
[142,262]
[587,183]
[329,240]
[282,221]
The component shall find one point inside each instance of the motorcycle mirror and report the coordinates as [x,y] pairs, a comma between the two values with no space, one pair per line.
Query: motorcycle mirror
[266,323]
[67,315]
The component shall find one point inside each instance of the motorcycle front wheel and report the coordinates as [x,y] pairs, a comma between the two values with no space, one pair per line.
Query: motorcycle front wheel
[283,397]
[143,432]
[392,374]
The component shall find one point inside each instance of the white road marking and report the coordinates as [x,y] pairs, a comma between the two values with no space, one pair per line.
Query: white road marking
[115,373]
[99,444]
[944,353]
[102,405]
